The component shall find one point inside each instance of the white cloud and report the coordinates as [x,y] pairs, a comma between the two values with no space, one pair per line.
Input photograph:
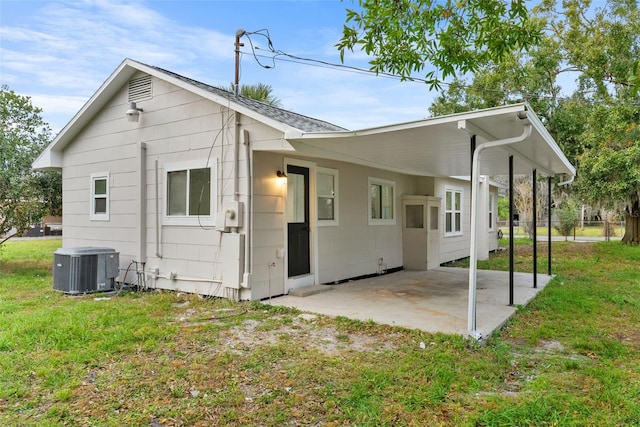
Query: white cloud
[75,39]
[70,47]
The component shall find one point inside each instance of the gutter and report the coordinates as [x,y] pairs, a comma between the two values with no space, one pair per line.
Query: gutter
[473,261]
[567,182]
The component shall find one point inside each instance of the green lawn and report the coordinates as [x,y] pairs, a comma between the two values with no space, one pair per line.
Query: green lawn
[570,358]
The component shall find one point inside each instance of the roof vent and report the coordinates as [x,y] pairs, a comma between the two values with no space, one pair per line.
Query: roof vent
[140,89]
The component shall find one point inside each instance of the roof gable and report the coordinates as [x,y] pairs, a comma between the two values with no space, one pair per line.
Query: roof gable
[289,118]
[283,120]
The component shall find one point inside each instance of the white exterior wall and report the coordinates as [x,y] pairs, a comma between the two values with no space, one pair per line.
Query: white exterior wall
[353,247]
[487,239]
[175,126]
[456,247]
[349,249]
[268,228]
[492,234]
[180,126]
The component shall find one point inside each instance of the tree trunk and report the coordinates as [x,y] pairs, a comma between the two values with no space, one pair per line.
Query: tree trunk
[632,226]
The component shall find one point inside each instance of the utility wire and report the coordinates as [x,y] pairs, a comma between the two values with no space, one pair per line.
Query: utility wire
[276,55]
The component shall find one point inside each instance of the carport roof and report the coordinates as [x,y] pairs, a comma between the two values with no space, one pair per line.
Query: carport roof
[441,146]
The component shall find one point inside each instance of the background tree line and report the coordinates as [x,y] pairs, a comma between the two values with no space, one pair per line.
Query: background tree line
[593,113]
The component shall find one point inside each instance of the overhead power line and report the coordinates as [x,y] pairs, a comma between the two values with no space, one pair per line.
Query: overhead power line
[279,55]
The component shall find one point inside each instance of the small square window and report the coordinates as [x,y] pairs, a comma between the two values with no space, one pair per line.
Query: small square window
[190,194]
[382,202]
[327,193]
[453,212]
[99,197]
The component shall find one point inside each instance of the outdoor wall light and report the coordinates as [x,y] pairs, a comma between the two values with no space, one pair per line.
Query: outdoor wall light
[282,177]
[133,113]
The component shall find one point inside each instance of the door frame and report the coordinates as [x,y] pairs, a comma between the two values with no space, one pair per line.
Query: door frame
[312,277]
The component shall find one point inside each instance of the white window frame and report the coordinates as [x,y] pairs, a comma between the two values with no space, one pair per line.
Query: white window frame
[191,220]
[453,211]
[492,218]
[93,215]
[381,221]
[334,196]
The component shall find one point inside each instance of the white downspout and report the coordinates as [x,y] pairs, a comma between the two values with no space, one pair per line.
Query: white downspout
[473,268]
[142,200]
[157,187]
[567,182]
[248,244]
[236,157]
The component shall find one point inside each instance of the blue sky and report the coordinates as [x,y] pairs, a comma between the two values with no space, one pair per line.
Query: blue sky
[60,52]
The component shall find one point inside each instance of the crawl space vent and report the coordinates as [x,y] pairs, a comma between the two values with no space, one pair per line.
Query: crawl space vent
[140,89]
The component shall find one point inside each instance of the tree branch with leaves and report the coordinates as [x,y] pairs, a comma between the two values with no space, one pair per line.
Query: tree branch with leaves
[404,37]
[25,195]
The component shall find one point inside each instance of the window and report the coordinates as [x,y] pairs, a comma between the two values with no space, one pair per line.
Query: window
[190,194]
[382,202]
[453,212]
[491,202]
[99,197]
[414,216]
[327,193]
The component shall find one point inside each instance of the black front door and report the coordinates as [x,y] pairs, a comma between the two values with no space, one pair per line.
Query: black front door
[298,220]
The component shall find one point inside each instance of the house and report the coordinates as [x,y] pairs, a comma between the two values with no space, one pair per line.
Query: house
[207,192]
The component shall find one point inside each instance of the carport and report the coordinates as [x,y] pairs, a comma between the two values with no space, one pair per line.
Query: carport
[434,301]
[499,141]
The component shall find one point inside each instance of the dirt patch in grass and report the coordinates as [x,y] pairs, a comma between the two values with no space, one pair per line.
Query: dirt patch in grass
[304,330]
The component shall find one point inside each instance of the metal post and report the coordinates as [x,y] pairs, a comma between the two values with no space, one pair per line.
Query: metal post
[472,142]
[511,231]
[535,229]
[238,45]
[549,227]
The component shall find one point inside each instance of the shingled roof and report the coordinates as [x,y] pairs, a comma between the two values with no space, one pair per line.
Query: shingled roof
[295,120]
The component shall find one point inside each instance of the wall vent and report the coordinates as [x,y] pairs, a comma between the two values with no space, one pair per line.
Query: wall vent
[140,89]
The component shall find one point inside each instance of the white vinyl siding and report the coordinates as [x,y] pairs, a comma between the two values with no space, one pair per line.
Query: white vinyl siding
[382,202]
[99,203]
[453,212]
[190,194]
[327,193]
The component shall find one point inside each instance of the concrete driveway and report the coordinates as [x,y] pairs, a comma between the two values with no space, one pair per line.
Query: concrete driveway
[432,301]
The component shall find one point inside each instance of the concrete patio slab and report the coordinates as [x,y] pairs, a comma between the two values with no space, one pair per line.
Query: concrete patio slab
[432,301]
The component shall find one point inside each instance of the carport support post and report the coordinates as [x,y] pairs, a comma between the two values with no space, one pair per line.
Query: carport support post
[472,142]
[535,229]
[549,227]
[511,245]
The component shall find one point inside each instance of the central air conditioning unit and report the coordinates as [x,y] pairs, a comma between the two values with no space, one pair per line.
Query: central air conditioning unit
[85,269]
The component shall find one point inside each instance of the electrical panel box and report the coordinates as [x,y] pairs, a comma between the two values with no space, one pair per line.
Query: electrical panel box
[85,269]
[230,217]
[233,214]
